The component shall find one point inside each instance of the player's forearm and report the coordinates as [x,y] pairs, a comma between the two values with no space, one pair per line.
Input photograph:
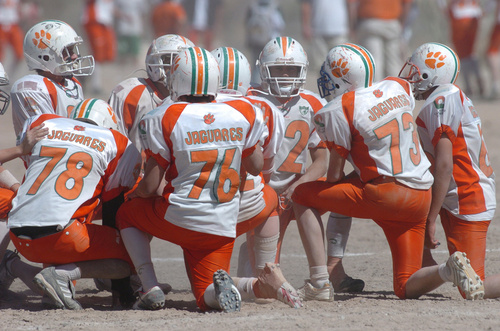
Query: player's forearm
[11,153]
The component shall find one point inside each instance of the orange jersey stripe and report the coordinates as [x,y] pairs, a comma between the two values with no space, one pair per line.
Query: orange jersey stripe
[246,109]
[130,105]
[52,92]
[359,151]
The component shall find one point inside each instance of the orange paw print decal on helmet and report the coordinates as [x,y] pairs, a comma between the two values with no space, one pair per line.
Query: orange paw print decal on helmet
[339,68]
[435,60]
[38,39]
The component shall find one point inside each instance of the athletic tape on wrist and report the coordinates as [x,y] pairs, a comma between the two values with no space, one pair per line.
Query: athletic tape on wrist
[7,179]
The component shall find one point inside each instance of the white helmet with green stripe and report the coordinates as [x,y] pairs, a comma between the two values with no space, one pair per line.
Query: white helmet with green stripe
[347,67]
[195,72]
[283,67]
[234,69]
[95,111]
[430,65]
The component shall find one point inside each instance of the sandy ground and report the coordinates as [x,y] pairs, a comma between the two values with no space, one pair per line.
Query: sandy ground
[367,257]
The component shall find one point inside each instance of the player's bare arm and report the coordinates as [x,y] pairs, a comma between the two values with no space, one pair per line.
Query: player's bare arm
[33,136]
[443,164]
[335,167]
[254,162]
[148,186]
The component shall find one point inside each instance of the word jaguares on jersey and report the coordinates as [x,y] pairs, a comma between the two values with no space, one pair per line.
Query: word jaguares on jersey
[206,136]
[78,138]
[387,105]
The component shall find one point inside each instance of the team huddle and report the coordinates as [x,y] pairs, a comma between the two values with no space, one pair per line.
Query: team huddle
[194,155]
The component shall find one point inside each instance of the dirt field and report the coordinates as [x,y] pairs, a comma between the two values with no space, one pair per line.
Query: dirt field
[367,257]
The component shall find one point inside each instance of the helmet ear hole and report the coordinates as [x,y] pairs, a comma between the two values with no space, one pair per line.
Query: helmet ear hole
[337,86]
[425,75]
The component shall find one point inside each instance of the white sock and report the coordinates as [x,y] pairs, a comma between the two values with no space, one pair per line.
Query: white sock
[70,271]
[319,276]
[337,233]
[210,297]
[445,273]
[146,273]
[245,287]
[265,249]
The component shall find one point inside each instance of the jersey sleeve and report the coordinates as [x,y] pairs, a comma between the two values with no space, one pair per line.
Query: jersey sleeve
[123,171]
[152,138]
[333,128]
[440,116]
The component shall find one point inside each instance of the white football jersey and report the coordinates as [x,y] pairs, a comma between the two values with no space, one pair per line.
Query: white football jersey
[201,146]
[299,136]
[70,170]
[34,95]
[374,129]
[471,194]
[130,100]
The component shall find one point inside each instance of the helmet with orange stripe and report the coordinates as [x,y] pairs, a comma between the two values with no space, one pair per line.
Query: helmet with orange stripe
[53,46]
[95,111]
[430,65]
[283,67]
[234,69]
[195,72]
[161,53]
[4,96]
[347,67]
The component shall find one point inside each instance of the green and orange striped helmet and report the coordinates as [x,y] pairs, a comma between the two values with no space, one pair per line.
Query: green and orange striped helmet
[194,72]
[347,67]
[95,111]
[234,69]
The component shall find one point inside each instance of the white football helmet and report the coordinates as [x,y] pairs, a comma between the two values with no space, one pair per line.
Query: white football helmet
[51,46]
[194,72]
[4,96]
[161,53]
[95,111]
[430,65]
[347,67]
[283,67]
[234,69]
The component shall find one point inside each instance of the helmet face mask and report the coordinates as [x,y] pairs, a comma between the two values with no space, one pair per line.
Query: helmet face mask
[234,70]
[430,65]
[161,54]
[97,112]
[4,96]
[325,84]
[283,67]
[195,72]
[52,46]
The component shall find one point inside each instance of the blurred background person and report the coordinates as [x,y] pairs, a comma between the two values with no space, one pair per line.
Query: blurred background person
[129,16]
[202,15]
[263,22]
[493,54]
[10,31]
[168,17]
[325,23]
[97,19]
[464,16]
[378,26]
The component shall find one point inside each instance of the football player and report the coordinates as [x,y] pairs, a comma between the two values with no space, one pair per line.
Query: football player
[80,163]
[50,49]
[463,193]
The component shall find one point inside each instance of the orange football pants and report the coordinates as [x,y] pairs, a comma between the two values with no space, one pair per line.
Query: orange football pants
[204,253]
[102,41]
[76,243]
[468,237]
[399,210]
[6,197]
[271,199]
